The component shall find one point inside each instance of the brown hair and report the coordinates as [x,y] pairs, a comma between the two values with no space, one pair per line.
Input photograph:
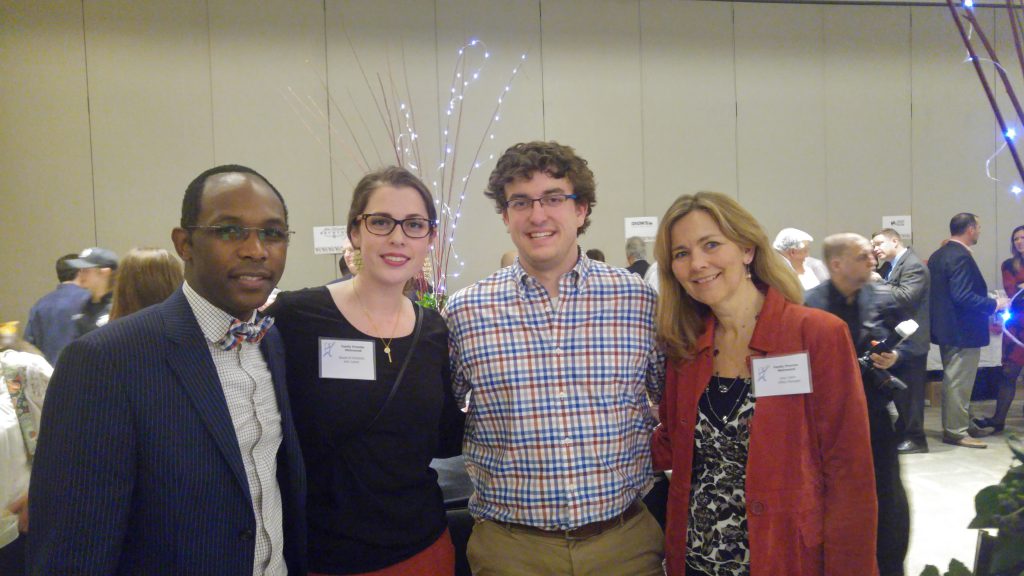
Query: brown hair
[390,176]
[522,161]
[680,319]
[146,276]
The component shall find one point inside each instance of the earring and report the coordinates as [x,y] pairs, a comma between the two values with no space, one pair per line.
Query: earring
[357,259]
[748,272]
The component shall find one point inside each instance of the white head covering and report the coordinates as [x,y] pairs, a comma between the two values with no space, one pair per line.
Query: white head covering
[788,238]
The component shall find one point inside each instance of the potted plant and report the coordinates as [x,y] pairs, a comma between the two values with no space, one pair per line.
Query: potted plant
[999,507]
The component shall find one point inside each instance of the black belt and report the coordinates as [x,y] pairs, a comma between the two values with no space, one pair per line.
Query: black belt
[583,532]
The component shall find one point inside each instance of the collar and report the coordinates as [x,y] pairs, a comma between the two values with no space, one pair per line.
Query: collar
[575,277]
[213,321]
[898,255]
[962,244]
[766,331]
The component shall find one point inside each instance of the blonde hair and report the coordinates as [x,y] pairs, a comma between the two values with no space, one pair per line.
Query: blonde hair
[680,319]
[147,276]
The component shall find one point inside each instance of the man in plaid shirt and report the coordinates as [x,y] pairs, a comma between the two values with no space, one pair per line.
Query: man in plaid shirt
[558,351]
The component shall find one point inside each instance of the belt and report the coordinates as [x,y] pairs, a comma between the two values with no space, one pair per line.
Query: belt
[583,532]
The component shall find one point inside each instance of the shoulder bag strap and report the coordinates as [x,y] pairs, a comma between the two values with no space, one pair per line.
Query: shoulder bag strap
[401,371]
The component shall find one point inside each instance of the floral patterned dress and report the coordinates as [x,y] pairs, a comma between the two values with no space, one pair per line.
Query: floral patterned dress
[717,532]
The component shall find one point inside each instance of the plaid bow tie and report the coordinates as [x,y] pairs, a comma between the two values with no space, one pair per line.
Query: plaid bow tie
[247,331]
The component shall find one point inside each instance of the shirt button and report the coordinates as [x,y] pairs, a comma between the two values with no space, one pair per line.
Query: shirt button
[562,394]
[571,487]
[756,508]
[567,441]
[246,534]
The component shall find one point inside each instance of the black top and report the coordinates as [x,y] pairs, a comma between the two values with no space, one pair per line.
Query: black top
[373,498]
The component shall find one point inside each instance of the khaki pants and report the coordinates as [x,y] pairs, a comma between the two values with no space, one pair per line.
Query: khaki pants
[959,368]
[634,548]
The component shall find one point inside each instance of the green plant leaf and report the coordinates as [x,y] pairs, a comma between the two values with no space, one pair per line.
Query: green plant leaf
[1016,446]
[986,503]
[930,570]
[957,568]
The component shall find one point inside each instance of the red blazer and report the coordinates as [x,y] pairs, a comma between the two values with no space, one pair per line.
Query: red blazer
[811,505]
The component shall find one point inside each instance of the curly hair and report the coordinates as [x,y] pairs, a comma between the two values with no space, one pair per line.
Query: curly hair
[522,161]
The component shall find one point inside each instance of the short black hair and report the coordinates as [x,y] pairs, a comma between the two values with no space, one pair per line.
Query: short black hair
[190,204]
[961,222]
[66,273]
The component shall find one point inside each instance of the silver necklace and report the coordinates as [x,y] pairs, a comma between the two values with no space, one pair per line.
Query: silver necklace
[739,399]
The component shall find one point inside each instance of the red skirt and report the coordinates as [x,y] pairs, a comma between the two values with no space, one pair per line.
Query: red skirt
[438,559]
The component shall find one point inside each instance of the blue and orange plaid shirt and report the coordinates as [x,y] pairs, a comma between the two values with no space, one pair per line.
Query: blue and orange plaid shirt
[559,424]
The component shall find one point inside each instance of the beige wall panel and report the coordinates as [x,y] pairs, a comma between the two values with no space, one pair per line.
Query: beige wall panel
[592,84]
[689,104]
[1009,207]
[480,238]
[149,95]
[45,166]
[867,116]
[953,135]
[375,46]
[780,88]
[268,81]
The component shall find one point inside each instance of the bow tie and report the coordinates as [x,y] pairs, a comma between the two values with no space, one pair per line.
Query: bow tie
[247,331]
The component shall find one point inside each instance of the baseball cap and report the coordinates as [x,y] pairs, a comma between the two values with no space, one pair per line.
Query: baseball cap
[94,257]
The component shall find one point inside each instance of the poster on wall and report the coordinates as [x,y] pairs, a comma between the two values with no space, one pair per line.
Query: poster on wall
[900,224]
[645,227]
[329,239]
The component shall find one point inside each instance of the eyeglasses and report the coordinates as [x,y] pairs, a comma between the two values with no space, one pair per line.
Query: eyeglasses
[549,201]
[236,233]
[382,225]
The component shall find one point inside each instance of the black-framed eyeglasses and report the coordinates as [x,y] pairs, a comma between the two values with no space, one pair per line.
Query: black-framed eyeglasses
[236,233]
[548,201]
[382,225]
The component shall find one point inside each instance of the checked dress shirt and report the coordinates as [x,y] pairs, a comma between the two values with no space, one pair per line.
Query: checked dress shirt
[558,428]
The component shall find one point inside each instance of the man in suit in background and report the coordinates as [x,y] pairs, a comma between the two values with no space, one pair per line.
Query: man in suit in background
[910,282]
[959,311]
[636,256]
[167,444]
[50,325]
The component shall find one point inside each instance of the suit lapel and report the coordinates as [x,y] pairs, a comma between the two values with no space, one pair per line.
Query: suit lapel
[191,361]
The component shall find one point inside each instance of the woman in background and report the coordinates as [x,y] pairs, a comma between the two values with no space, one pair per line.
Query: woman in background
[370,388]
[1013,352]
[24,376]
[147,276]
[778,485]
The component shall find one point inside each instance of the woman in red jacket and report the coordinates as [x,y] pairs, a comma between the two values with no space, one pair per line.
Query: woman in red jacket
[1013,352]
[778,485]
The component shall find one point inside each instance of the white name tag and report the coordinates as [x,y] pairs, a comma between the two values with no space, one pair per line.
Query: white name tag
[781,375]
[348,359]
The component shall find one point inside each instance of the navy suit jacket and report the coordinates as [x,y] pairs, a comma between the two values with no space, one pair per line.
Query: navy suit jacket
[138,469]
[911,283]
[960,305]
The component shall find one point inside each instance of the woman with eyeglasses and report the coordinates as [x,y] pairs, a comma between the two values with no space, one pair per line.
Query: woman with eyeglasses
[764,422]
[369,382]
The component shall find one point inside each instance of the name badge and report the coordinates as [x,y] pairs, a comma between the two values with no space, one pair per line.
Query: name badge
[781,375]
[347,359]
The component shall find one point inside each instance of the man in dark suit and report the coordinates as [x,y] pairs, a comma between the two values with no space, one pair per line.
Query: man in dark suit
[870,314]
[910,282]
[636,256]
[959,310]
[167,444]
